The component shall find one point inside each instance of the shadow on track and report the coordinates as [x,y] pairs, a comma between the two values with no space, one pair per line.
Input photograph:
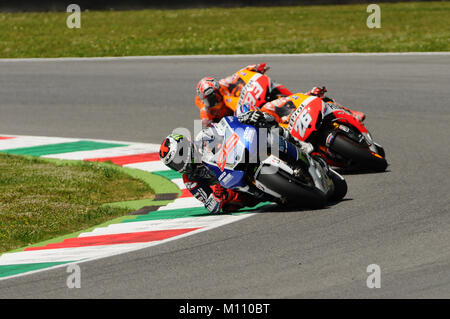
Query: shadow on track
[358,171]
[275,208]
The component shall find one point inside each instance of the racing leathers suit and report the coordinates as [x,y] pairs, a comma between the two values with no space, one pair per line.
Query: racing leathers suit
[231,86]
[283,107]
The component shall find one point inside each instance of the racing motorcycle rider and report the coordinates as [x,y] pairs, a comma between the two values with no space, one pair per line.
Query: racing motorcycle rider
[180,154]
[210,93]
[282,108]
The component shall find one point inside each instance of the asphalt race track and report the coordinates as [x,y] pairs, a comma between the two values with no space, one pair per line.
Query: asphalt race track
[399,220]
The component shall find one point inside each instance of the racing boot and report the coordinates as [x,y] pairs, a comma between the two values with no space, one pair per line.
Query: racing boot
[320,92]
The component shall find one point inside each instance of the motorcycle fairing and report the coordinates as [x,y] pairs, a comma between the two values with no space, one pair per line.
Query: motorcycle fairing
[343,117]
[306,118]
[237,138]
[253,93]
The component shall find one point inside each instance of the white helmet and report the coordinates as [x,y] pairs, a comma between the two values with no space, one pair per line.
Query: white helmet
[177,152]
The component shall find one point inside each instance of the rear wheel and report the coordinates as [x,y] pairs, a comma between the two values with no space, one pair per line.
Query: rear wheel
[360,157]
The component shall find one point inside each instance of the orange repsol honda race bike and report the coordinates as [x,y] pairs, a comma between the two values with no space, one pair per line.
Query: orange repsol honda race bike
[340,138]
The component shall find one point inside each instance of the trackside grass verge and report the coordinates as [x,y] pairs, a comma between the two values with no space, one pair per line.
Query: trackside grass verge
[412,26]
[42,199]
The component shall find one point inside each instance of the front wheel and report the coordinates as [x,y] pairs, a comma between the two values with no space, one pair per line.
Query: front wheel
[294,193]
[359,156]
[340,186]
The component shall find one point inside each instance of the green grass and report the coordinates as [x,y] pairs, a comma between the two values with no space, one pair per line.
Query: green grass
[417,26]
[42,199]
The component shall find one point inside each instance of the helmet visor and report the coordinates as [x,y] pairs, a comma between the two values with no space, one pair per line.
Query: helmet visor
[176,152]
[182,158]
[211,100]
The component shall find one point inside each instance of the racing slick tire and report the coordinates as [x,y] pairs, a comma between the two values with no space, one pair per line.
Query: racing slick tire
[360,156]
[294,193]
[340,186]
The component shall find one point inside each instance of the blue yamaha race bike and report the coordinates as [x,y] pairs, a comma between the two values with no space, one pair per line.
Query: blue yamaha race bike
[262,163]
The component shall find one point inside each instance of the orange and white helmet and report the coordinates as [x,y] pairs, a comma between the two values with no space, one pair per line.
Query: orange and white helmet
[208,92]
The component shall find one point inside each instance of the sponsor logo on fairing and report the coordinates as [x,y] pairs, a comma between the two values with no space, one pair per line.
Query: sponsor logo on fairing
[191,185]
[227,178]
[329,139]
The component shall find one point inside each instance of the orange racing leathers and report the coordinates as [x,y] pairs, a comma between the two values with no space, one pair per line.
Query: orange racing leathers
[231,86]
[282,108]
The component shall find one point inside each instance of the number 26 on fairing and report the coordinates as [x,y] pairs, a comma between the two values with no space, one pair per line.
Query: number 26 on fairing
[302,123]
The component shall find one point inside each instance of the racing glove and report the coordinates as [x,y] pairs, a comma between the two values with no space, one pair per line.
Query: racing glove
[260,68]
[320,92]
[317,91]
[258,119]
